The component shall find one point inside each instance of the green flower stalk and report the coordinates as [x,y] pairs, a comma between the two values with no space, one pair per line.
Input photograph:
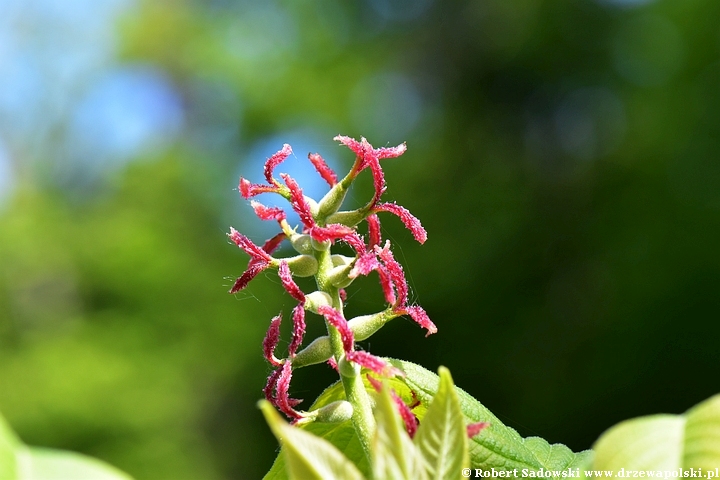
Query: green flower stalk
[323,225]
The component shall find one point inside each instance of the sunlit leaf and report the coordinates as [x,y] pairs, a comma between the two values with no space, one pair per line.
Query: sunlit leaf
[394,453]
[307,456]
[48,464]
[442,437]
[663,442]
[8,444]
[497,446]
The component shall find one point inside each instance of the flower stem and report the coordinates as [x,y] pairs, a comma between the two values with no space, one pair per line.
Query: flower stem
[352,382]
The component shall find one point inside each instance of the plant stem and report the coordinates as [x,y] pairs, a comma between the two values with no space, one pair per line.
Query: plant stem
[352,382]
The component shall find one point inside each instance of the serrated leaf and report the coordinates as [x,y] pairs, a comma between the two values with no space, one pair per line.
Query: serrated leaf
[49,464]
[663,442]
[442,436]
[497,446]
[308,457]
[395,456]
[553,457]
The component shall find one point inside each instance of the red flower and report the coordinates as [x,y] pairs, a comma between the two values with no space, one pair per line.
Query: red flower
[325,172]
[268,213]
[367,156]
[282,399]
[248,189]
[475,428]
[397,293]
[298,329]
[298,201]
[336,319]
[411,222]
[272,337]
[289,284]
[260,259]
[371,362]
[408,417]
[333,231]
[373,230]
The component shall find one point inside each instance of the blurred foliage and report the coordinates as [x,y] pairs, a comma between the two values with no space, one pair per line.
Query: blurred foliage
[563,157]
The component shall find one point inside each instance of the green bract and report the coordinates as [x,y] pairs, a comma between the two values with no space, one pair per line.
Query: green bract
[20,462]
[438,451]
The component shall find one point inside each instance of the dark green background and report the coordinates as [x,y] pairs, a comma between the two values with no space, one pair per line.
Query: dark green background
[565,160]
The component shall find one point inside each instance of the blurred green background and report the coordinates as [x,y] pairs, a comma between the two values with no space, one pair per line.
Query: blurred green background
[564,157]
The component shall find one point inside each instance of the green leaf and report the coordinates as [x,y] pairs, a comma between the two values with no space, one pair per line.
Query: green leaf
[48,464]
[702,435]
[497,446]
[19,462]
[394,453]
[8,444]
[663,442]
[307,456]
[342,435]
[442,436]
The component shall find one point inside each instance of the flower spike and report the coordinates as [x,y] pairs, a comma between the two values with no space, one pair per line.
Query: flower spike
[322,225]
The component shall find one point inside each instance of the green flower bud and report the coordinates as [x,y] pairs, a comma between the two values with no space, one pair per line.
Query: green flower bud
[302,243]
[321,246]
[303,265]
[338,276]
[338,260]
[313,206]
[364,326]
[315,300]
[335,412]
[349,218]
[332,201]
[319,351]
